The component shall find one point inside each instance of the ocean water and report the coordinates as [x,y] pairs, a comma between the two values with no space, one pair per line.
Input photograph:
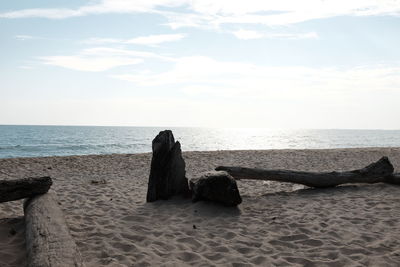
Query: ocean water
[38,141]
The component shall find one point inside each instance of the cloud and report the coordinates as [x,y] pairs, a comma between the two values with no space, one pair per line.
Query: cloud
[97,41]
[292,36]
[250,34]
[156,39]
[101,59]
[42,13]
[213,13]
[247,34]
[285,12]
[26,67]
[85,63]
[202,91]
[96,7]
[108,51]
[24,37]
[98,59]
[199,75]
[151,40]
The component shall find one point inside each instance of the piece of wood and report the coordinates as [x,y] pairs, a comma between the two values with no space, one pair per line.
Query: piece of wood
[393,179]
[216,186]
[48,240]
[23,188]
[167,172]
[374,173]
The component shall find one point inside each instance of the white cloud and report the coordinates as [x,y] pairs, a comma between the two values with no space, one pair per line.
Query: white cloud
[26,67]
[151,40]
[234,94]
[250,34]
[292,36]
[24,37]
[85,63]
[290,11]
[217,12]
[107,51]
[203,75]
[96,7]
[97,41]
[293,96]
[210,13]
[206,92]
[247,34]
[156,39]
[101,59]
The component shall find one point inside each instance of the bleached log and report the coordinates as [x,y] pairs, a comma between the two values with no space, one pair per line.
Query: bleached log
[48,240]
[380,171]
[23,188]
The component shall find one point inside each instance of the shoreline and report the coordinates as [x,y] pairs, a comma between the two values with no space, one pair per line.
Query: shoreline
[222,150]
[277,223]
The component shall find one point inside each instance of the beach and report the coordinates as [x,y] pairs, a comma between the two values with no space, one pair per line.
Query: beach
[277,224]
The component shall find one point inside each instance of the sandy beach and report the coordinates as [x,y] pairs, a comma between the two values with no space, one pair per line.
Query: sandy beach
[278,224]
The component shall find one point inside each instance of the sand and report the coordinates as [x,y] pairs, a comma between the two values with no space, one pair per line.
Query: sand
[277,224]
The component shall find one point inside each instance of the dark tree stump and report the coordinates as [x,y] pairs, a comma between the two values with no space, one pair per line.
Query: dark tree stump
[217,186]
[167,173]
[380,171]
[23,188]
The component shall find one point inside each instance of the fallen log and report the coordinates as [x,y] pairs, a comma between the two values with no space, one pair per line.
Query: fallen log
[393,179]
[23,188]
[48,241]
[380,171]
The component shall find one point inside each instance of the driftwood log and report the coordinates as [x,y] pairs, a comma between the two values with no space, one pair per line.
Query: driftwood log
[380,171]
[393,179]
[167,172]
[48,241]
[23,188]
[217,186]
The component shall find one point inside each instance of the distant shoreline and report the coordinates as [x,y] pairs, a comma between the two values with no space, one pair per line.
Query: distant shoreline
[216,151]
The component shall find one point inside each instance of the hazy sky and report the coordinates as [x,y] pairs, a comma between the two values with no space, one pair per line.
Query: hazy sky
[276,64]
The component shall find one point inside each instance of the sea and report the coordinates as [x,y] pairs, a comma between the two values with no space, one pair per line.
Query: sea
[43,141]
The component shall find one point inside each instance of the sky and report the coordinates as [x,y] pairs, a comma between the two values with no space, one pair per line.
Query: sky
[208,63]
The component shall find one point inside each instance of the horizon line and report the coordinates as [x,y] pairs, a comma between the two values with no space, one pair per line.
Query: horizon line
[213,127]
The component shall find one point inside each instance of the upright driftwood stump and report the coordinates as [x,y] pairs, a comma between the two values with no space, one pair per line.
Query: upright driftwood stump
[167,173]
[48,241]
[380,171]
[23,188]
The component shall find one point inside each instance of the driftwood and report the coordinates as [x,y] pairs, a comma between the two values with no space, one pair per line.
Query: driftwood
[217,186]
[23,188]
[380,171]
[393,179]
[167,172]
[48,241]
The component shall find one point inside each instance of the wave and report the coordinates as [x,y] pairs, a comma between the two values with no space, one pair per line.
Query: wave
[35,141]
[71,149]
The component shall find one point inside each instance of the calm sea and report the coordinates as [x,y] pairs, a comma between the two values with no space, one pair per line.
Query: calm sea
[38,141]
